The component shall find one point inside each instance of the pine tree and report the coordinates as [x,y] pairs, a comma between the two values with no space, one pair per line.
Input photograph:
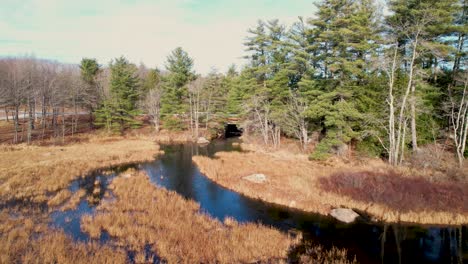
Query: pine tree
[89,69]
[119,110]
[342,40]
[180,72]
[152,80]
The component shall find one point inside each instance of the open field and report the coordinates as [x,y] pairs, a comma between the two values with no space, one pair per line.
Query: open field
[387,194]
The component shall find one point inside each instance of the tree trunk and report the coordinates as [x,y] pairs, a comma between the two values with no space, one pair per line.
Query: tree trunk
[16,118]
[35,107]
[191,113]
[197,113]
[30,119]
[459,120]
[411,85]
[414,137]
[402,151]
[263,121]
[54,120]
[156,122]
[63,125]
[74,118]
[393,148]
[44,113]
[6,114]
[276,136]
[208,109]
[305,136]
[91,126]
[401,122]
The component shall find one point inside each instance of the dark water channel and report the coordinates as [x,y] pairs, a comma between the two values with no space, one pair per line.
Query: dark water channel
[369,242]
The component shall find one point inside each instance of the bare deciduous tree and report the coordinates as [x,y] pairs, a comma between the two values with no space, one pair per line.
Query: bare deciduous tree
[397,124]
[459,118]
[195,88]
[152,104]
[261,114]
[295,121]
[38,87]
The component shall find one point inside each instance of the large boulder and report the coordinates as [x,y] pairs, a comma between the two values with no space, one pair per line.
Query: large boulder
[344,215]
[202,140]
[256,178]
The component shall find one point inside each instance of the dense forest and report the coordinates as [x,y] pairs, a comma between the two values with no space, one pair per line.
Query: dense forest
[381,80]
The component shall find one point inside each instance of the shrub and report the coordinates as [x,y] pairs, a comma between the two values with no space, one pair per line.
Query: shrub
[173,123]
[325,148]
[369,148]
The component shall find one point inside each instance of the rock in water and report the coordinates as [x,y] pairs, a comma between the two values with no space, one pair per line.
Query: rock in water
[202,140]
[344,215]
[256,178]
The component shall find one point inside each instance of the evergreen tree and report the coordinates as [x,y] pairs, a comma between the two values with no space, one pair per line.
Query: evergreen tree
[119,110]
[342,40]
[89,69]
[152,80]
[180,72]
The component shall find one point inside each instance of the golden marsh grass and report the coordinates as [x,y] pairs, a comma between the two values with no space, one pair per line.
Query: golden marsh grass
[294,181]
[32,173]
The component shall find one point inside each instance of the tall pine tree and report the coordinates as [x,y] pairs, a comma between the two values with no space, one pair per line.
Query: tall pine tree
[118,111]
[180,72]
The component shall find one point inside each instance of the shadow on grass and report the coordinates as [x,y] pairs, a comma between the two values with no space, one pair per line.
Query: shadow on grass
[397,192]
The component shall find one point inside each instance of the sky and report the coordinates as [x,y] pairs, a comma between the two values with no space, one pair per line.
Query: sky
[144,31]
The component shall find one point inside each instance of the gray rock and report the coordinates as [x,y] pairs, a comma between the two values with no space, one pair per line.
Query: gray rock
[202,140]
[256,178]
[344,215]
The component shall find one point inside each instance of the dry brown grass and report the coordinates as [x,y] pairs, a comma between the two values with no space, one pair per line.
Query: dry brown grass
[33,173]
[318,255]
[28,240]
[296,182]
[142,214]
[165,136]
[59,198]
[74,200]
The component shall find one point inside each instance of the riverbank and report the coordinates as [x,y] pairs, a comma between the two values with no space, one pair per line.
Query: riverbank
[180,137]
[385,193]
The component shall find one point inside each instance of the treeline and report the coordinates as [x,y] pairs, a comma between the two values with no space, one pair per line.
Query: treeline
[382,84]
[45,91]
[351,77]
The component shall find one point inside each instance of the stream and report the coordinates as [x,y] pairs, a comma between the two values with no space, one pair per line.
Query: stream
[370,242]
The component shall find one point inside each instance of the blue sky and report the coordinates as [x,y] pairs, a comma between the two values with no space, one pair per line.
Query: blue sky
[145,31]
